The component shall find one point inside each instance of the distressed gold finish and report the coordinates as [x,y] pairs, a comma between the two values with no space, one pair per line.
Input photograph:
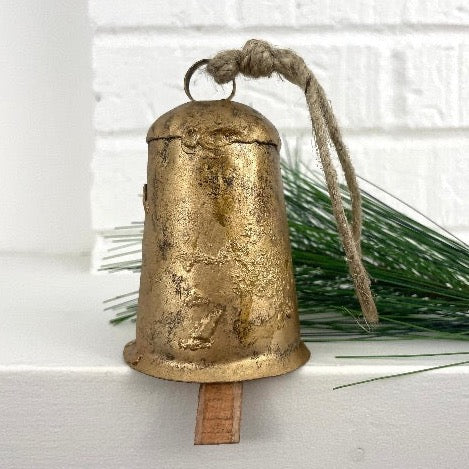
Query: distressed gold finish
[217,299]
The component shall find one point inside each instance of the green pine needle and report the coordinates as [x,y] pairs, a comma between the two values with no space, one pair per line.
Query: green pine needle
[402,355]
[413,372]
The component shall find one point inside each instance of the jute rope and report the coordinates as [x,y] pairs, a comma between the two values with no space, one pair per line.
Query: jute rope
[259,59]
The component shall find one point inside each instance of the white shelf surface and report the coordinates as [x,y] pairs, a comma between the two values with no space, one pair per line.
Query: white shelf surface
[67,399]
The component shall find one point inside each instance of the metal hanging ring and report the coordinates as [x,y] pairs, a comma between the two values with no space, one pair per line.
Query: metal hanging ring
[190,72]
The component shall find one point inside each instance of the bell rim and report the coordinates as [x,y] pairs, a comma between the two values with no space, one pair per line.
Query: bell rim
[247,369]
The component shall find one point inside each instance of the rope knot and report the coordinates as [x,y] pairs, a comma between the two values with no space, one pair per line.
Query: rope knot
[256,59]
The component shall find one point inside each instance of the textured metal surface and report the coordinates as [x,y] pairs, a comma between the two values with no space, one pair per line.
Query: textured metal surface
[216,123]
[217,296]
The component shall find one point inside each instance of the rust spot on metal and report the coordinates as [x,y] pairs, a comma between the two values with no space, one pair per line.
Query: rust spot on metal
[177,281]
[164,245]
[137,360]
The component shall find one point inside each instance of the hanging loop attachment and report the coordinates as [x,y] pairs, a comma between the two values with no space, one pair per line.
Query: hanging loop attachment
[190,72]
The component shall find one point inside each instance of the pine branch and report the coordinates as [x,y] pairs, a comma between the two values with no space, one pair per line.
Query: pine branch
[420,277]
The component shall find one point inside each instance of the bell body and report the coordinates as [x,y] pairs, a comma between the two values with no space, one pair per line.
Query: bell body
[217,298]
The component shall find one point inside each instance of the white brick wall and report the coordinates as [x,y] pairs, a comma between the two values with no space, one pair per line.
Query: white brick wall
[396,72]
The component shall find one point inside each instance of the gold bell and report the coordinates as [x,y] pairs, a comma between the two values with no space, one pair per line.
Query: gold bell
[217,300]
